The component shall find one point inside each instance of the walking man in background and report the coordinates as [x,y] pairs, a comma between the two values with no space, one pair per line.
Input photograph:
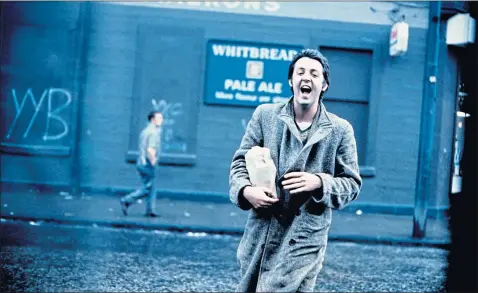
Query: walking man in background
[149,147]
[315,153]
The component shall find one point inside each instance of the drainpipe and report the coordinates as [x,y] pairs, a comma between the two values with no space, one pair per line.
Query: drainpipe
[80,84]
[427,121]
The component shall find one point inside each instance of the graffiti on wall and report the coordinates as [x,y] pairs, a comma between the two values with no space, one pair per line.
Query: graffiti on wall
[244,123]
[171,137]
[51,103]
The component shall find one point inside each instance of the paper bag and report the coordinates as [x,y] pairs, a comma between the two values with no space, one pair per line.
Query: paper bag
[261,168]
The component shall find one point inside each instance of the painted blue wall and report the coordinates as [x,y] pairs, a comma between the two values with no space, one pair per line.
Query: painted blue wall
[39,90]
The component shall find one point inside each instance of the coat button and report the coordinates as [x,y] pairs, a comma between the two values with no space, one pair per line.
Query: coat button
[292,242]
[297,213]
[263,246]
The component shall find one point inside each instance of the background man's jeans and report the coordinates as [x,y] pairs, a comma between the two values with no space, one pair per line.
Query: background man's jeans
[147,174]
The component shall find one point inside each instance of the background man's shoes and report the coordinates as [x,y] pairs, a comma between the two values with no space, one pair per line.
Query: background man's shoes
[151,215]
[124,207]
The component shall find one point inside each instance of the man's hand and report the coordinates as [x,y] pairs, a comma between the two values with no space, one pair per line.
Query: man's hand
[153,161]
[259,197]
[301,181]
[152,155]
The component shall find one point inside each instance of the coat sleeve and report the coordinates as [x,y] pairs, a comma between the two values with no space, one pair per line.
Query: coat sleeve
[339,190]
[238,176]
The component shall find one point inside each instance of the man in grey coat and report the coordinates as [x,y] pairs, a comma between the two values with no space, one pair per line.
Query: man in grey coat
[315,153]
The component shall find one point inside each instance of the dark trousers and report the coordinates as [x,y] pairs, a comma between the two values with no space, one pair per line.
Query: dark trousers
[147,174]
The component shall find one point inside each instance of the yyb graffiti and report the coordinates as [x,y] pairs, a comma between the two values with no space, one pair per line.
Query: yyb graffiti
[52,113]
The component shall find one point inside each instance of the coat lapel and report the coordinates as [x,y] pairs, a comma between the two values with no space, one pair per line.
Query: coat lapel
[287,116]
[321,128]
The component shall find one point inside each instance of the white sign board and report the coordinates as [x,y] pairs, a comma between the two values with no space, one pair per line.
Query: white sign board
[399,39]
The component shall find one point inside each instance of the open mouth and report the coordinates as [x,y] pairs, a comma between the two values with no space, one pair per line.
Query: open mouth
[305,89]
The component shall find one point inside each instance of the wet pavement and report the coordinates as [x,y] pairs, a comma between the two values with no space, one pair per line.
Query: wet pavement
[41,257]
[215,216]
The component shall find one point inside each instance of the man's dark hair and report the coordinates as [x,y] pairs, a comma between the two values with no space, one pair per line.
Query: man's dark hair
[312,54]
[152,114]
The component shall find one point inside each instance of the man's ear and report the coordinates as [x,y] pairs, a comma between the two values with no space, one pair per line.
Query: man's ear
[290,82]
[325,87]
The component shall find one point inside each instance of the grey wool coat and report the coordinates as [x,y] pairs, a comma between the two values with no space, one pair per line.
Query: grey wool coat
[283,246]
